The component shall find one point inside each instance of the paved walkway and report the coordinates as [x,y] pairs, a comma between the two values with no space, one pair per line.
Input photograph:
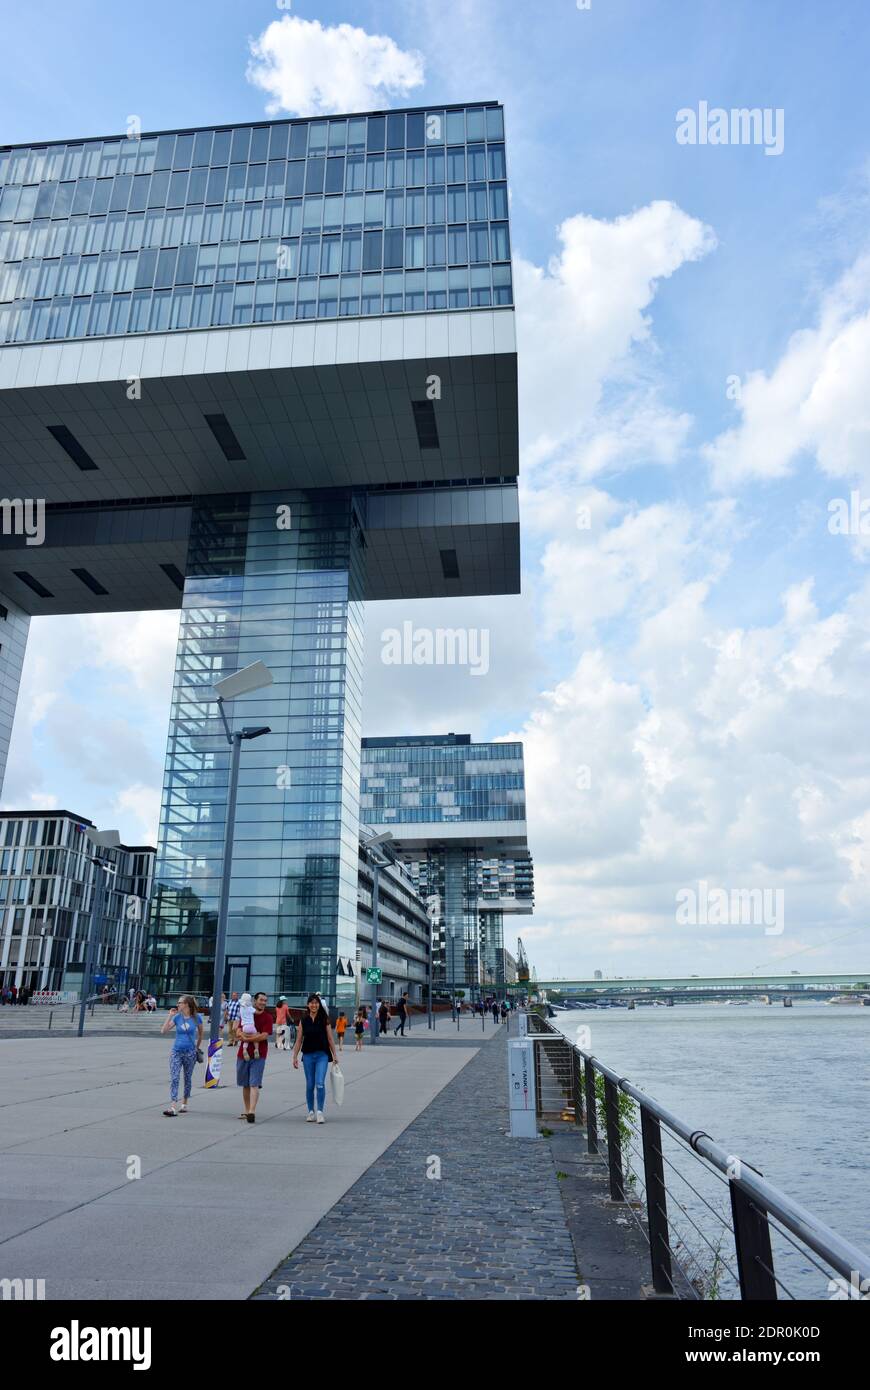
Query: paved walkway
[219,1202]
[493,1225]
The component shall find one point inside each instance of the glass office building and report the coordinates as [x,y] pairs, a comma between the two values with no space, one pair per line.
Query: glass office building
[457,812]
[216,347]
[46,900]
[399,212]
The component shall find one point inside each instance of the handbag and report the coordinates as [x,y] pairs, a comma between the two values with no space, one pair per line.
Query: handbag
[199,1056]
[337,1076]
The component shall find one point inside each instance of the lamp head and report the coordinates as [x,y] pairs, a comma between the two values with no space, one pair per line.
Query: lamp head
[253,677]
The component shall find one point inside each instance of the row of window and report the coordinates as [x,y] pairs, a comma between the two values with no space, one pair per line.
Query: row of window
[157,311]
[136,154]
[258,222]
[240,183]
[269,259]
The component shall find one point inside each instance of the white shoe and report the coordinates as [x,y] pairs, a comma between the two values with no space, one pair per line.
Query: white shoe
[310,1118]
[320,1119]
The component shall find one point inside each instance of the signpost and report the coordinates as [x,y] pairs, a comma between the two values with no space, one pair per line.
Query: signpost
[521,1089]
[374,975]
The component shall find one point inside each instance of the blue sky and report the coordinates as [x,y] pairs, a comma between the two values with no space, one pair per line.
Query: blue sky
[703,647]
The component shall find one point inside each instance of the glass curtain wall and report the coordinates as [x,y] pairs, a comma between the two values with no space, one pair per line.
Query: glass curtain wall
[258,588]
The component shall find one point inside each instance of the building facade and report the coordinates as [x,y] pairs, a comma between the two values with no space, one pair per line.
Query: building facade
[457,813]
[404,930]
[259,374]
[46,901]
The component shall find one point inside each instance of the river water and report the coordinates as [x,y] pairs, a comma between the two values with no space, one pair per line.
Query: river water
[786,1089]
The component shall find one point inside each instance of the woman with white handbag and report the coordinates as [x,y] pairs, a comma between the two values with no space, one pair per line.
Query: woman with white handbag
[314,1040]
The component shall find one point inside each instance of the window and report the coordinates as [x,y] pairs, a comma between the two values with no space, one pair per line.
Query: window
[275,178]
[436,246]
[236,183]
[476,162]
[457,245]
[456,211]
[349,295]
[478,241]
[393,249]
[498,201]
[497,166]
[330,255]
[500,242]
[328,301]
[306,300]
[180,312]
[351,251]
[393,292]
[414,249]
[309,256]
[285,300]
[477,203]
[243,304]
[372,251]
[371,294]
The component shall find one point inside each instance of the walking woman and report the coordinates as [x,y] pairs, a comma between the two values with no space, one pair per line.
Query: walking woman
[314,1040]
[187,1024]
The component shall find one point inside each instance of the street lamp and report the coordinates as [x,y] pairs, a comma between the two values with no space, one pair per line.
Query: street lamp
[103,869]
[254,677]
[379,858]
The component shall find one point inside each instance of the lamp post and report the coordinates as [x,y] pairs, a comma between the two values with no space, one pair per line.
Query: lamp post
[372,845]
[433,912]
[103,868]
[254,677]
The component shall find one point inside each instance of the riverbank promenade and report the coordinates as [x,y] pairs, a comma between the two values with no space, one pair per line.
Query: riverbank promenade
[411,1190]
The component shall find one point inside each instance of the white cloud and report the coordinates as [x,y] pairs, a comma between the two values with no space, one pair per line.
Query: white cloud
[814,400]
[308,68]
[580,317]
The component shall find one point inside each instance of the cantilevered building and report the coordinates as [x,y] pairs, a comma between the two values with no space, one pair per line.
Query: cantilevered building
[258,374]
[457,812]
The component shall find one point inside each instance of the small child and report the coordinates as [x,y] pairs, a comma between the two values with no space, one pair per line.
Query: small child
[359,1024]
[340,1030]
[246,1020]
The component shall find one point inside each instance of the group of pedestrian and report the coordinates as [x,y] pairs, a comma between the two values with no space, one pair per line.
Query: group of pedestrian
[313,1041]
[403,1016]
[491,1005]
[14,994]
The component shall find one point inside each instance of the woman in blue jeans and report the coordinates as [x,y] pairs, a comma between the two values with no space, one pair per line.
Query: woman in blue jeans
[314,1040]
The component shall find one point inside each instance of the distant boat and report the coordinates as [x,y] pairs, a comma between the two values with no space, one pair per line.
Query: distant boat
[845,999]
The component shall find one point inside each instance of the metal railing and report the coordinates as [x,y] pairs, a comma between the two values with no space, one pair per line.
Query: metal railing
[646,1177]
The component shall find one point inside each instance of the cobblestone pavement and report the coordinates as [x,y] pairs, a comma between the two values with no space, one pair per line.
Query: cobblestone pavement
[492,1227]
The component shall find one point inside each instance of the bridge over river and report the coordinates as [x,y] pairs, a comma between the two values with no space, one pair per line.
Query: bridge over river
[696,987]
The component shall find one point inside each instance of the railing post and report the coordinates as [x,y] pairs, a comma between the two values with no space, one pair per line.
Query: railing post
[752,1242]
[591,1107]
[656,1202]
[614,1146]
[577,1085]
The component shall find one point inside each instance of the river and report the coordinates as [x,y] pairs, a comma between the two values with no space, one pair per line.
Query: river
[786,1089]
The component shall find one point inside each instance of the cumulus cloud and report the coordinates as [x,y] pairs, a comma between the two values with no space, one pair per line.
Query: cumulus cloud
[701,753]
[578,320]
[308,68]
[815,400]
